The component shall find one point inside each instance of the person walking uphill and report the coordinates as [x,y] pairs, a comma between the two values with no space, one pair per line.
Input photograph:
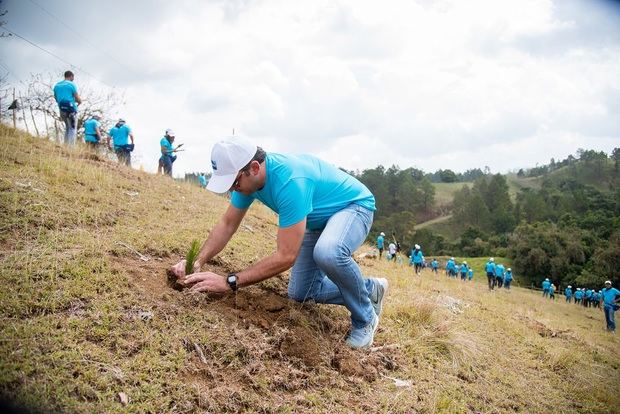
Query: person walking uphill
[324,215]
[67,98]
[417,258]
[490,269]
[380,243]
[611,296]
[121,133]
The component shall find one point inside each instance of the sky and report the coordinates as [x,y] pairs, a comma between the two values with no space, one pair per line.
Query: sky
[427,84]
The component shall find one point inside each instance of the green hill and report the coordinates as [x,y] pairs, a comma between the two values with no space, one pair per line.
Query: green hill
[87,315]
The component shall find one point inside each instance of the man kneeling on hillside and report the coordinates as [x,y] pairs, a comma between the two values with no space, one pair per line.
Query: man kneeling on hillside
[324,216]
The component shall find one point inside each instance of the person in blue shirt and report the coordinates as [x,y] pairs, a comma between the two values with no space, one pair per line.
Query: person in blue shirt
[595,299]
[552,292]
[380,243]
[121,134]
[92,131]
[451,267]
[470,274]
[508,278]
[434,266]
[417,258]
[324,215]
[578,296]
[588,298]
[68,99]
[546,284]
[203,180]
[499,275]
[568,292]
[167,151]
[490,269]
[611,297]
[463,270]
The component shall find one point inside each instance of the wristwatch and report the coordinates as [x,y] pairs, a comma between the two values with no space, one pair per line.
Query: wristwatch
[231,279]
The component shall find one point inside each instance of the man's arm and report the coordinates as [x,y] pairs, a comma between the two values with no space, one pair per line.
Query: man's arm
[131,136]
[77,98]
[219,236]
[289,243]
[164,150]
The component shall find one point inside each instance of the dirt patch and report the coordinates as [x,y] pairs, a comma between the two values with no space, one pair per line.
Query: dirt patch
[546,332]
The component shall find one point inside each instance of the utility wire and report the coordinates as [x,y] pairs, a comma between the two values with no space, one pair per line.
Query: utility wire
[56,56]
[80,36]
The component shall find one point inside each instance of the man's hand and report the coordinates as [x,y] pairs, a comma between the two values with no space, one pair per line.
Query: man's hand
[207,282]
[179,270]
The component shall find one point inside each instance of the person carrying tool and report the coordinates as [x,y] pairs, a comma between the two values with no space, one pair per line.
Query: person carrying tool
[67,98]
[121,133]
[167,151]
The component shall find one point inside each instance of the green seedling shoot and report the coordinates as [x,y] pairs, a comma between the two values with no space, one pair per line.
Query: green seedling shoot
[191,257]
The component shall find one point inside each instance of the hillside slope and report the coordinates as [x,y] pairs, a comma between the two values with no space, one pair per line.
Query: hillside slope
[86,313]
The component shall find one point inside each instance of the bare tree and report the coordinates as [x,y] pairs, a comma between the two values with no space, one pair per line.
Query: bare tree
[95,101]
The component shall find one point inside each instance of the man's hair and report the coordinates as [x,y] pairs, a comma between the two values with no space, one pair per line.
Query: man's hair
[258,156]
[68,74]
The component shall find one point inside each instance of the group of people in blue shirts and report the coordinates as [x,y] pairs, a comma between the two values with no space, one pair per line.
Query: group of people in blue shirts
[464,270]
[121,138]
[609,296]
[498,275]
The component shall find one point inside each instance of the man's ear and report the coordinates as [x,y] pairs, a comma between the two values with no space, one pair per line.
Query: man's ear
[254,167]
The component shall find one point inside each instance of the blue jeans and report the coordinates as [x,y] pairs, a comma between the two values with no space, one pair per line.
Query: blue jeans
[70,120]
[324,270]
[610,318]
[507,283]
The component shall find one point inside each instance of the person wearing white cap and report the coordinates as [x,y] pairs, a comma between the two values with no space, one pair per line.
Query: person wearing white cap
[508,278]
[167,152]
[546,286]
[380,243]
[490,269]
[324,215]
[121,133]
[611,297]
[568,293]
[417,258]
[463,268]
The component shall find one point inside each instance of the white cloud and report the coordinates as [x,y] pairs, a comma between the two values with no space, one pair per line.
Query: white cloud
[432,84]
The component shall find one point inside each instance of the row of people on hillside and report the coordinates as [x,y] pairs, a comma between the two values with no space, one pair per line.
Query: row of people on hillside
[609,296]
[497,274]
[452,269]
[68,100]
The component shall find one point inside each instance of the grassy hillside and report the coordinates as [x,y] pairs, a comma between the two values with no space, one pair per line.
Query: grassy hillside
[444,192]
[86,313]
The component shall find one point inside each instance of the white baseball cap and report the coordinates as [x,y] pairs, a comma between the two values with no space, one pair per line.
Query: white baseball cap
[417,246]
[228,157]
[382,233]
[608,282]
[491,259]
[170,132]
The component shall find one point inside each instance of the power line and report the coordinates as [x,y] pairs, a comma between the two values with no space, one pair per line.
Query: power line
[56,56]
[79,35]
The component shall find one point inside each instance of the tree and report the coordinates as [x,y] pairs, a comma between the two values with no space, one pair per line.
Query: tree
[39,98]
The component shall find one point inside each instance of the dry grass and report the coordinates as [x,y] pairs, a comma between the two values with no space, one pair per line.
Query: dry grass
[83,318]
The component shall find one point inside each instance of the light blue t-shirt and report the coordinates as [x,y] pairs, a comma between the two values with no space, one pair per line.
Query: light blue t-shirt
[90,130]
[203,180]
[65,90]
[303,186]
[380,242]
[435,264]
[417,256]
[610,295]
[588,294]
[546,284]
[579,294]
[508,275]
[451,265]
[120,135]
[499,271]
[463,268]
[490,267]
[166,144]
[470,273]
[568,292]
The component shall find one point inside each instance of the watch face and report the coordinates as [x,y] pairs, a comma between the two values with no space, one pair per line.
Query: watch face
[232,279]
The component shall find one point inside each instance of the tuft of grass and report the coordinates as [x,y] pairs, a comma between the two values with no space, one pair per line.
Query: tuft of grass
[191,256]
